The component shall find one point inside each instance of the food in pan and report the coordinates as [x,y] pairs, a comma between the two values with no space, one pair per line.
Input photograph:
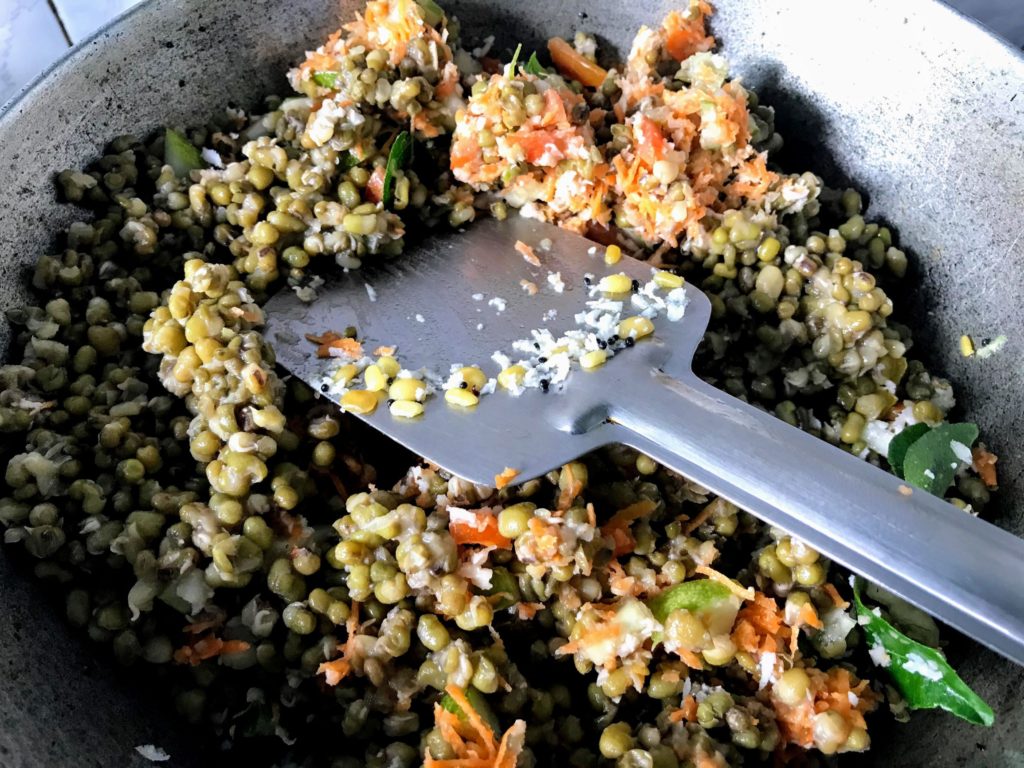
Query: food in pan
[301,586]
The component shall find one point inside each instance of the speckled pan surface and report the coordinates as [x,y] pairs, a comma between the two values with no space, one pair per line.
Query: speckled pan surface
[909,101]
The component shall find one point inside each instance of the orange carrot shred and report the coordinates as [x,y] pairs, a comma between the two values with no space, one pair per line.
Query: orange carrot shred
[483,532]
[335,671]
[698,520]
[528,253]
[527,611]
[570,62]
[687,712]
[330,341]
[809,616]
[375,186]
[690,659]
[208,647]
[622,541]
[704,760]
[627,515]
[833,593]
[505,477]
[472,739]
[984,463]
[573,488]
[198,627]
[685,37]
[742,593]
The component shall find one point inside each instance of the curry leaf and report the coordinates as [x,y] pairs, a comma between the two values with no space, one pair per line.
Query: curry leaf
[181,154]
[931,461]
[696,595]
[326,79]
[533,66]
[921,674]
[901,442]
[401,151]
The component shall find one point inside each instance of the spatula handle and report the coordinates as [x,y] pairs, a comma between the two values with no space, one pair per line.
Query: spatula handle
[962,570]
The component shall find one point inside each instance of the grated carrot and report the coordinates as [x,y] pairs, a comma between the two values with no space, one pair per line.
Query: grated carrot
[829,691]
[198,627]
[449,85]
[506,476]
[628,514]
[690,659]
[390,24]
[807,616]
[607,627]
[546,541]
[619,583]
[685,37]
[424,128]
[984,463]
[472,739]
[622,540]
[527,611]
[375,185]
[760,627]
[528,253]
[511,745]
[705,760]
[208,647]
[699,520]
[333,344]
[687,712]
[742,593]
[796,721]
[483,531]
[573,488]
[690,708]
[833,593]
[570,62]
[335,671]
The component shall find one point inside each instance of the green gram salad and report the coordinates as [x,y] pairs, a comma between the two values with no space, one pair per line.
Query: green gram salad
[312,595]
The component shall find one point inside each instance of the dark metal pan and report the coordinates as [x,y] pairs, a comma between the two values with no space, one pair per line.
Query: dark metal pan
[912,103]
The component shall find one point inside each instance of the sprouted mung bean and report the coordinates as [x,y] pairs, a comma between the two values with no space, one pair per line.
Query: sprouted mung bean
[297,587]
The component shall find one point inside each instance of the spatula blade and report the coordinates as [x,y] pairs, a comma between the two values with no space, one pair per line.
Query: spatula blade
[457,299]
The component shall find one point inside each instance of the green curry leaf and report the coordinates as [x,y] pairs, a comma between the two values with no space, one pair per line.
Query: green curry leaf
[921,674]
[181,154]
[696,595]
[901,442]
[931,462]
[401,152]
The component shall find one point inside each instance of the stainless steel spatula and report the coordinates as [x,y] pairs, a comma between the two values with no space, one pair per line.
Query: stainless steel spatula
[458,299]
